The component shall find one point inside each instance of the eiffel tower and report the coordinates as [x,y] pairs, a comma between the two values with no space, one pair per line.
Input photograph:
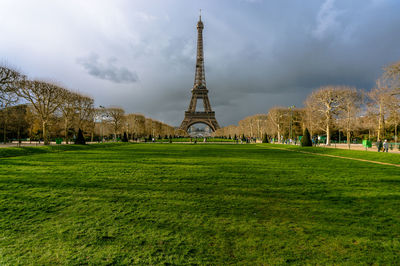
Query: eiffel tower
[199,91]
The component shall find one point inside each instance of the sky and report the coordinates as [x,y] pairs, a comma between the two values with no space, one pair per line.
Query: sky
[140,54]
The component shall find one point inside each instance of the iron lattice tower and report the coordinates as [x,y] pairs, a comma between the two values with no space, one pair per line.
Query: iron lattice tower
[199,91]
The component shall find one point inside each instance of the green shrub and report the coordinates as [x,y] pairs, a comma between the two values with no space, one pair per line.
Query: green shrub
[265,139]
[125,138]
[80,139]
[306,139]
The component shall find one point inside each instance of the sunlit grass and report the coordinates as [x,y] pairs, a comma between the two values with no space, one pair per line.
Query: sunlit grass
[204,204]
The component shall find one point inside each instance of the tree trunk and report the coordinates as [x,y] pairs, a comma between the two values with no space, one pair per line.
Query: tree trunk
[328,135]
[6,112]
[279,134]
[348,139]
[30,133]
[348,129]
[380,121]
[5,132]
[66,131]
[19,135]
[45,139]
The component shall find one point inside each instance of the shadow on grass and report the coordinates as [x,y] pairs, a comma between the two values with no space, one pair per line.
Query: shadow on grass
[24,151]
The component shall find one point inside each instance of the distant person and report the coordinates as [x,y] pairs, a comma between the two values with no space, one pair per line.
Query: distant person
[379,145]
[386,146]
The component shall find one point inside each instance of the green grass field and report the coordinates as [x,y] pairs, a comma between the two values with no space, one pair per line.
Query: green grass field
[197,204]
[199,139]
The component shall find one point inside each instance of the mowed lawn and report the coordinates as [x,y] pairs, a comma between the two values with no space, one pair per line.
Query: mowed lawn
[201,204]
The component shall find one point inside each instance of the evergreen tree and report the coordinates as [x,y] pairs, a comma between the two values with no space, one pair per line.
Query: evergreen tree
[80,139]
[265,140]
[125,138]
[306,139]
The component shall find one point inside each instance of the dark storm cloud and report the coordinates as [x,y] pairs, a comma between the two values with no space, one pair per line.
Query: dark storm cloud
[341,44]
[107,70]
[258,53]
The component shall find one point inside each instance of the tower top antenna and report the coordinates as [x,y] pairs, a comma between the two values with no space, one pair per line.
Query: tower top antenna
[200,14]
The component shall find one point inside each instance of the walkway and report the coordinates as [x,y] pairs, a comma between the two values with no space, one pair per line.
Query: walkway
[334,156]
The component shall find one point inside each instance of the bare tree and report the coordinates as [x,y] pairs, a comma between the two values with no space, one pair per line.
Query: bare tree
[18,116]
[379,102]
[349,110]
[139,126]
[278,117]
[148,126]
[325,104]
[103,119]
[45,98]
[8,84]
[68,108]
[129,125]
[117,116]
[33,118]
[367,122]
[312,120]
[84,111]
[230,131]
[394,113]
[392,73]
[156,128]
[8,79]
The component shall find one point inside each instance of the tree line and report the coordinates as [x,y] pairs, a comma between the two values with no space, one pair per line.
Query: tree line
[44,110]
[335,112]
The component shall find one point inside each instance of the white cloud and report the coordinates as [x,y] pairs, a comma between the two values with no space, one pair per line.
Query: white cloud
[326,19]
[145,16]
